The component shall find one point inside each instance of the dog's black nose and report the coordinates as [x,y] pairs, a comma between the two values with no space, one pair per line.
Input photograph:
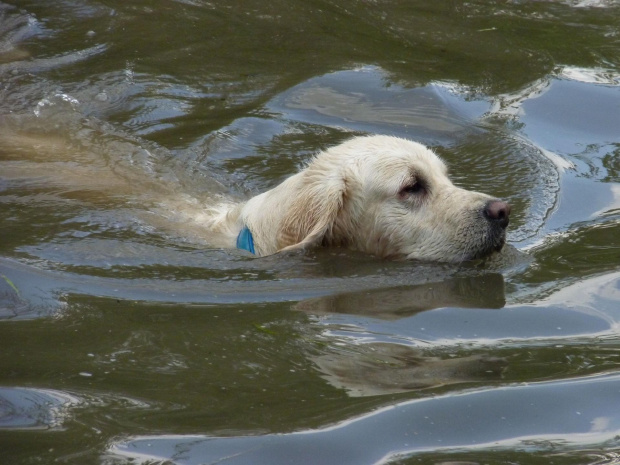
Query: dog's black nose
[499,211]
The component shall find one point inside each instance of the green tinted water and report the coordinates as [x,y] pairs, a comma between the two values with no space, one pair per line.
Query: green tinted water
[125,337]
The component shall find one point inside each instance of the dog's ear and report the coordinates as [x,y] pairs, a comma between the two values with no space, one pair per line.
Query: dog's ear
[313,212]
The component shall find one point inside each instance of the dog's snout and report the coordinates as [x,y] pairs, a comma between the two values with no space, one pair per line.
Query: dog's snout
[499,211]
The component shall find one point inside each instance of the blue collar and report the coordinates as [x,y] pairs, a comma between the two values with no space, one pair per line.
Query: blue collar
[245,241]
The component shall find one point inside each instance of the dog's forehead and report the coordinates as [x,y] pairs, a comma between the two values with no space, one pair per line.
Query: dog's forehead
[418,159]
[404,159]
[381,151]
[384,162]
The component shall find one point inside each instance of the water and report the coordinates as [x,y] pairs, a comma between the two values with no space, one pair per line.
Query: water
[127,337]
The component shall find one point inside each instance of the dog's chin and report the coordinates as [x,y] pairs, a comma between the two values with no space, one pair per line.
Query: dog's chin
[458,257]
[493,246]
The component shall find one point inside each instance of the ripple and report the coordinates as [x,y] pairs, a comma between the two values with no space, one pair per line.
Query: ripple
[30,408]
[576,414]
[366,100]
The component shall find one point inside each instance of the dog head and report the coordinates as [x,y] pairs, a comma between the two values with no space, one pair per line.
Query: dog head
[382,195]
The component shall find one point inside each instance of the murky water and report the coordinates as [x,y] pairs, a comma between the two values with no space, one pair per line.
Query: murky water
[127,337]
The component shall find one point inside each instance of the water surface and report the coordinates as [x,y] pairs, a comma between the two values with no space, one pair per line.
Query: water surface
[127,337]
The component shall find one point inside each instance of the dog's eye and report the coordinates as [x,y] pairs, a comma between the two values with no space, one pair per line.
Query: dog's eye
[415,188]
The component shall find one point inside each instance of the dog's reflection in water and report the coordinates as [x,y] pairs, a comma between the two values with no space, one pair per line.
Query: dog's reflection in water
[382,368]
[379,368]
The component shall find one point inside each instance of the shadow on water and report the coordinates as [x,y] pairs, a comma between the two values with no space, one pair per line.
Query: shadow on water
[485,291]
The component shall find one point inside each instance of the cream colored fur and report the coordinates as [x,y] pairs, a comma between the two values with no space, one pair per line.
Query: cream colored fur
[354,195]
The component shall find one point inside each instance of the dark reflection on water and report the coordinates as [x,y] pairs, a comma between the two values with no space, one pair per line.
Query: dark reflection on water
[479,292]
[126,336]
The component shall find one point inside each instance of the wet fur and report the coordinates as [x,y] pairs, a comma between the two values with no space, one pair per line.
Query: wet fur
[354,195]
